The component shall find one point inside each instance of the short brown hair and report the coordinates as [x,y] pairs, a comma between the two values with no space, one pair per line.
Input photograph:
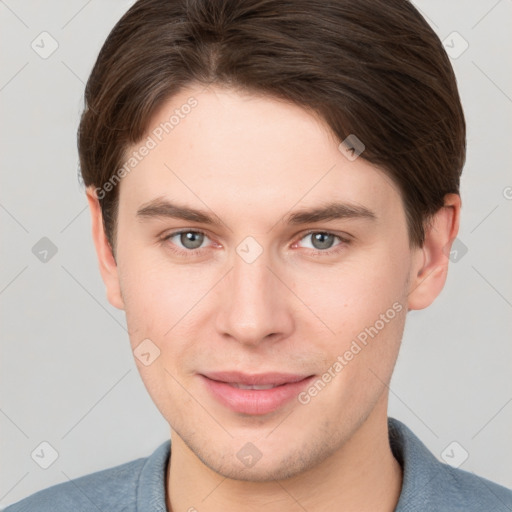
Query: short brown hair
[373,68]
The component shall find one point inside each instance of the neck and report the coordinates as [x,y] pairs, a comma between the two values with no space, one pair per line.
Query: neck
[361,475]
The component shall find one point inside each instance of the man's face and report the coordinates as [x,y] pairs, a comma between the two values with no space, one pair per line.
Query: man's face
[253,294]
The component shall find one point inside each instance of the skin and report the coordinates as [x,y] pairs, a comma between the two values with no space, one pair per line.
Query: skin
[251,160]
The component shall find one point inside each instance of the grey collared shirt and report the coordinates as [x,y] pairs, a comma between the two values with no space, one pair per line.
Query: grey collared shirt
[139,485]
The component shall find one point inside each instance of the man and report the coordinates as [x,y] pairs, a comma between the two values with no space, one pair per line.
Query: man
[273,186]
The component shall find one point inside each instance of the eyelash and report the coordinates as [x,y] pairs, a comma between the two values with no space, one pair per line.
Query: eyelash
[315,252]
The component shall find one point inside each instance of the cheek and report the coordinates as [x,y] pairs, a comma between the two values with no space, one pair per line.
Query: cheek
[366,311]
[159,306]
[156,295]
[353,295]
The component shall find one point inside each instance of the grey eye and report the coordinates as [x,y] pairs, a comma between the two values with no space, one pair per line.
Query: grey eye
[191,239]
[321,240]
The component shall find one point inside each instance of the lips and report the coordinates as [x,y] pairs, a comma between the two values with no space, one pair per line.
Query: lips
[255,394]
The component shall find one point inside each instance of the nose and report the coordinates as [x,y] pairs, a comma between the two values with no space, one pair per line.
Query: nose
[255,306]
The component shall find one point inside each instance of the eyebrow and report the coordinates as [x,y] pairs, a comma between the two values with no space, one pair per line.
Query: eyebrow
[162,208]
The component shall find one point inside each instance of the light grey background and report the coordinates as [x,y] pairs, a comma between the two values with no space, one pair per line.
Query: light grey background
[67,373]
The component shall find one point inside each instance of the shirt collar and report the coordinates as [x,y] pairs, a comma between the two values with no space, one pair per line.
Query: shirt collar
[152,480]
[420,468]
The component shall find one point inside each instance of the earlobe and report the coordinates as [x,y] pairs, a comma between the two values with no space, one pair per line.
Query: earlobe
[107,264]
[430,270]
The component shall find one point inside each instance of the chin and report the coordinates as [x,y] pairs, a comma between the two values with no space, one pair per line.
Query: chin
[295,459]
[271,471]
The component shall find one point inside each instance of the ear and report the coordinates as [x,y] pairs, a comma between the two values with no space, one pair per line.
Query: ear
[106,261]
[431,266]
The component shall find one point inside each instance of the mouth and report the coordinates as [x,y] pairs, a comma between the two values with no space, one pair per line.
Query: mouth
[245,386]
[255,394]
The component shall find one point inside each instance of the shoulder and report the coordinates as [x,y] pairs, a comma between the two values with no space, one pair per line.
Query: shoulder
[113,489]
[475,492]
[109,489]
[428,484]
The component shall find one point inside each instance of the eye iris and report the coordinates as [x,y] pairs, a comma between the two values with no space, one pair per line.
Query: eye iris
[322,240]
[191,239]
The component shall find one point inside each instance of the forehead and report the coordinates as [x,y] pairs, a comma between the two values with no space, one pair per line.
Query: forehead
[234,152]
